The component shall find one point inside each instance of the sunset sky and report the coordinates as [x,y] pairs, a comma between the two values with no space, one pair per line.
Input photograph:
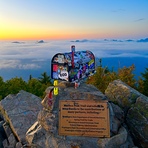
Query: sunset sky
[73,19]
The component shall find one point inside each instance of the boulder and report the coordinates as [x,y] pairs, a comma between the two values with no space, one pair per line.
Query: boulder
[118,112]
[115,141]
[121,94]
[137,121]
[135,106]
[20,112]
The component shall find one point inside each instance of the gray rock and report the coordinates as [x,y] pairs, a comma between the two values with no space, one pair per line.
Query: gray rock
[18,145]
[118,112]
[36,135]
[115,141]
[47,120]
[135,106]
[121,94]
[33,129]
[5,143]
[20,111]
[7,129]
[12,140]
[137,120]
[2,133]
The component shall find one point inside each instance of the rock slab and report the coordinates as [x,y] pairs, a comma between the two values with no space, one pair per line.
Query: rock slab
[20,112]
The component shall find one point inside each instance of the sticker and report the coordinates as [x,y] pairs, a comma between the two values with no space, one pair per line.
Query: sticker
[55,67]
[55,83]
[55,90]
[63,75]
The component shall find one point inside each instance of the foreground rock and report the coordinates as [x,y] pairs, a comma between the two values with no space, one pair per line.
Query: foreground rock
[135,106]
[44,132]
[30,122]
[20,112]
[137,120]
[121,94]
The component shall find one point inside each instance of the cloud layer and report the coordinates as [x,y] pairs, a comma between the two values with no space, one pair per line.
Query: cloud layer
[32,54]
[18,64]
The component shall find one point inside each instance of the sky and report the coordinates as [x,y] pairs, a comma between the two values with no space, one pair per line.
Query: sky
[73,19]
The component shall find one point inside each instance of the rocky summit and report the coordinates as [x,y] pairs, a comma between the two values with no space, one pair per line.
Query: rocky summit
[29,121]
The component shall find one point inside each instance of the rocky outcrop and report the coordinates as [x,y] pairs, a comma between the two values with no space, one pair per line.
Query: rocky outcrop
[135,107]
[20,112]
[44,132]
[32,122]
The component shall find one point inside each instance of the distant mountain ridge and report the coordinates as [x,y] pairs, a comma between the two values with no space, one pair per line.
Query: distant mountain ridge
[113,40]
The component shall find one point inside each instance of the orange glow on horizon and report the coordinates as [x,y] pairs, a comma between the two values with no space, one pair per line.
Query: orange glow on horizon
[12,35]
[7,33]
[55,35]
[29,32]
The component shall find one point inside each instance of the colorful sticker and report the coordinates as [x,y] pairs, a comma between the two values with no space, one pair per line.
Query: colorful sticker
[55,90]
[63,75]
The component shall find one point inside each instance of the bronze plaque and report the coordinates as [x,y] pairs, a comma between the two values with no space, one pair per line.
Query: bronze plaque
[84,118]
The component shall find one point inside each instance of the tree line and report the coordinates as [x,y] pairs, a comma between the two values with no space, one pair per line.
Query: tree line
[35,86]
[100,79]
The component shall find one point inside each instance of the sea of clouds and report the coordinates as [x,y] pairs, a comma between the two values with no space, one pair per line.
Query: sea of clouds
[20,59]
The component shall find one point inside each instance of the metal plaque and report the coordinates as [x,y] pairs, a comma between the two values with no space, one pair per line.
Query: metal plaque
[84,118]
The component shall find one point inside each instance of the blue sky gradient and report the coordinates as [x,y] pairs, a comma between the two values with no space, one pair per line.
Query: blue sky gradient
[71,19]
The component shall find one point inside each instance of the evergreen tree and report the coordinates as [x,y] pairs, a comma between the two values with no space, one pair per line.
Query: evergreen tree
[35,87]
[14,85]
[145,82]
[2,88]
[30,77]
[45,79]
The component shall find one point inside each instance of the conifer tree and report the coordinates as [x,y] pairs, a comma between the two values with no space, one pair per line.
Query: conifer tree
[14,85]
[45,79]
[145,82]
[2,88]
